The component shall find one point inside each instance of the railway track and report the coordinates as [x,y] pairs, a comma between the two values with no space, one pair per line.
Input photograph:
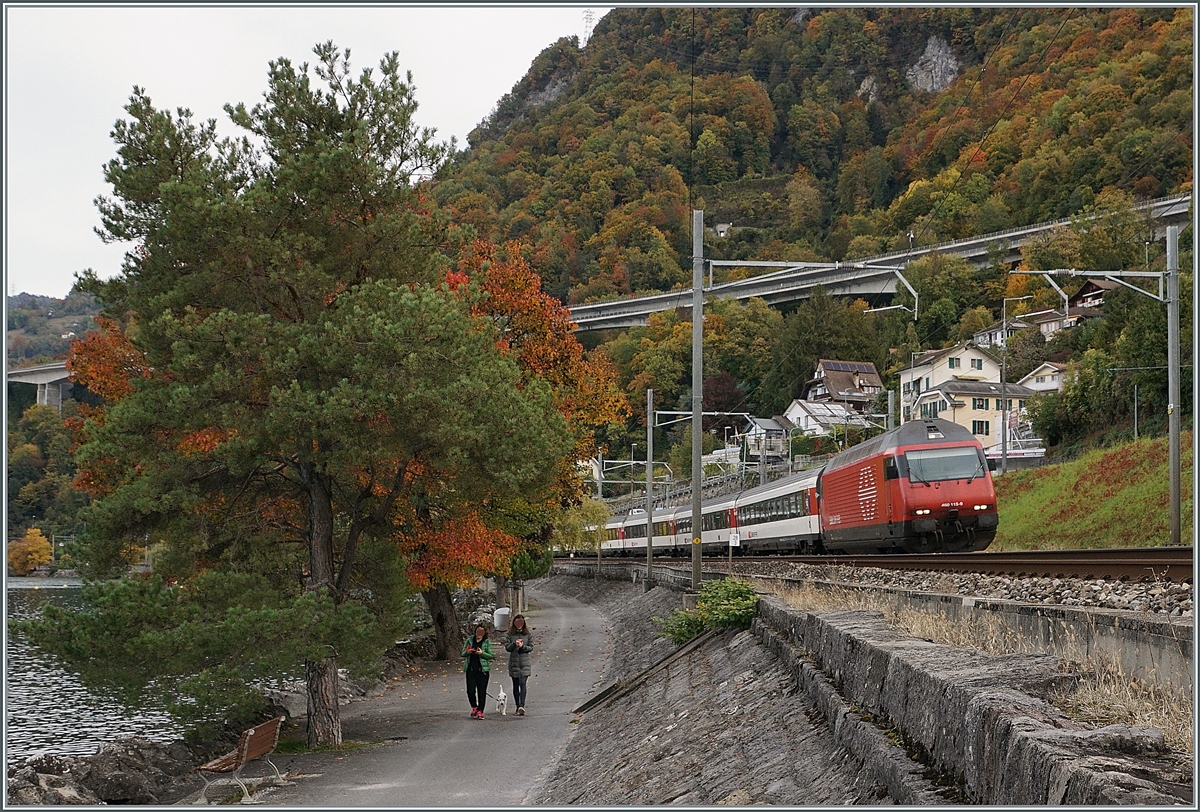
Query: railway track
[1133,563]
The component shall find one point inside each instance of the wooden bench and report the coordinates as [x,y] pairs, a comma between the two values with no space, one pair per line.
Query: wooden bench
[257,742]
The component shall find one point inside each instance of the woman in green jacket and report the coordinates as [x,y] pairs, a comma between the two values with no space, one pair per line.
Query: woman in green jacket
[477,660]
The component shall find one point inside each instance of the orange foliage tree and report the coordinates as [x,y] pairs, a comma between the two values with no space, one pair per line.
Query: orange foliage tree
[537,328]
[106,361]
[26,554]
[456,552]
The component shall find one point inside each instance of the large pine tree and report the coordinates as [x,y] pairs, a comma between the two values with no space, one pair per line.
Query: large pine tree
[308,377]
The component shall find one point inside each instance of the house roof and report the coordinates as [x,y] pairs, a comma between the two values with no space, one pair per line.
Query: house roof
[981,389]
[1043,316]
[847,366]
[1093,286]
[829,414]
[843,380]
[766,424]
[1014,323]
[930,356]
[1045,368]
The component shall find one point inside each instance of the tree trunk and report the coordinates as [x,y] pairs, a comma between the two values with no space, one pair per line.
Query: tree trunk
[445,621]
[501,591]
[324,724]
[321,676]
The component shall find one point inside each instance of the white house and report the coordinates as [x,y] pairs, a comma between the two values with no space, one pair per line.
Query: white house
[975,405]
[996,335]
[928,370]
[763,435]
[1047,377]
[814,418]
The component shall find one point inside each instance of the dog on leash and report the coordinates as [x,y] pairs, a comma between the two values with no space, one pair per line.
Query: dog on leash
[502,702]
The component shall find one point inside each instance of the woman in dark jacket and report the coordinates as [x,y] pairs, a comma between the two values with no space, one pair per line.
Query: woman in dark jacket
[519,645]
[477,661]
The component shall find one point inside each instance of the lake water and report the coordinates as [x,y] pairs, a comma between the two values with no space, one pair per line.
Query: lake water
[47,709]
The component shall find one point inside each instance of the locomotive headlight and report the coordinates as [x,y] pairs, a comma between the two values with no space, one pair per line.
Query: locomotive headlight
[981,507]
[922,512]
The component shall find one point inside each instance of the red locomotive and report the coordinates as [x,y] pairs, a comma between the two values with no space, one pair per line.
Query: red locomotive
[922,487]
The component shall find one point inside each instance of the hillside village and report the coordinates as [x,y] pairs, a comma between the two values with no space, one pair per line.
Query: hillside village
[817,135]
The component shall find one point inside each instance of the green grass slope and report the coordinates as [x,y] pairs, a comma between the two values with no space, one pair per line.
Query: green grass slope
[1114,497]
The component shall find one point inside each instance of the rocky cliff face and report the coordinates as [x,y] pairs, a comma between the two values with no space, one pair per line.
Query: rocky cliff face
[936,69]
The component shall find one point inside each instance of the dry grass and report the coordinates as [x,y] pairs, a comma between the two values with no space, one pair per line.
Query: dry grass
[1104,696]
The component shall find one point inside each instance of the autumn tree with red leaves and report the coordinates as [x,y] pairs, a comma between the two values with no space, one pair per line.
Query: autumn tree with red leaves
[304,397]
[538,331]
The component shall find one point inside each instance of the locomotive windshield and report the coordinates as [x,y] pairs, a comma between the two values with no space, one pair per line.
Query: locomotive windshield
[939,464]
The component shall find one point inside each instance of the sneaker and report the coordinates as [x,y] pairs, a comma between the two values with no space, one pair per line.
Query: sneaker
[520,711]
[474,713]
[479,715]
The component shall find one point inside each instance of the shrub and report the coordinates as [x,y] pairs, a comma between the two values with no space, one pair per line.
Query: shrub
[727,603]
[681,626]
[723,604]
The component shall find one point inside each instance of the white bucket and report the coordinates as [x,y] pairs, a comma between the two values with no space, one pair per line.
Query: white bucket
[500,618]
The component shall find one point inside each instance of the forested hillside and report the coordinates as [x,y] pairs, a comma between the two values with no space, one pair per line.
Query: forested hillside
[40,328]
[824,134]
[835,134]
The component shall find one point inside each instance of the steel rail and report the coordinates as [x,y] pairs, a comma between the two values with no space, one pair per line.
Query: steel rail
[1131,563]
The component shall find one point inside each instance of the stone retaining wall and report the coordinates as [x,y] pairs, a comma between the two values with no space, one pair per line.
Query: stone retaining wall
[974,724]
[1151,647]
[973,719]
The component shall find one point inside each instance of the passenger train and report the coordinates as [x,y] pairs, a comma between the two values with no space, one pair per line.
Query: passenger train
[922,487]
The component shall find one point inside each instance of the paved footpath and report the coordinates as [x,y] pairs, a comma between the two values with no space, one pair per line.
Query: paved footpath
[435,754]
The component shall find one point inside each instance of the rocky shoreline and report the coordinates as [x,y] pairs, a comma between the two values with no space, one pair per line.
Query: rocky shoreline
[138,771]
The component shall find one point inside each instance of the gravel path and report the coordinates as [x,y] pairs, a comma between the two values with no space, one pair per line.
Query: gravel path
[1166,598]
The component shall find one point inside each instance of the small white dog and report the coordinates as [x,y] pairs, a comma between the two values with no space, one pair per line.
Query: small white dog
[502,702]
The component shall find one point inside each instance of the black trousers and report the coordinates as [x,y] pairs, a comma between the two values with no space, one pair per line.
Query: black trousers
[519,690]
[477,688]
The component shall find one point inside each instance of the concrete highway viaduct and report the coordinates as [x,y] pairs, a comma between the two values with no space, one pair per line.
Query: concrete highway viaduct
[871,276]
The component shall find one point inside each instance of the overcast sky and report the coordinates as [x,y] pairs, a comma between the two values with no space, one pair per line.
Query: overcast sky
[69,72]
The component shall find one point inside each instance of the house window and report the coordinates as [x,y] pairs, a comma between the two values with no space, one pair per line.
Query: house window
[979,404]
[977,363]
[981,427]
[1000,404]
[1040,379]
[954,363]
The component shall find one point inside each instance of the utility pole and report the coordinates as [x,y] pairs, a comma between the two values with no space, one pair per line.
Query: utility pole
[1168,293]
[762,458]
[649,490]
[1004,380]
[1173,336]
[697,387]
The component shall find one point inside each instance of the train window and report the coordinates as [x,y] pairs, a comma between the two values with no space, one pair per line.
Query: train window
[939,464]
[890,469]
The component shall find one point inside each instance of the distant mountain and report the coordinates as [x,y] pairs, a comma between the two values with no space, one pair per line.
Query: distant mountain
[820,134]
[40,328]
